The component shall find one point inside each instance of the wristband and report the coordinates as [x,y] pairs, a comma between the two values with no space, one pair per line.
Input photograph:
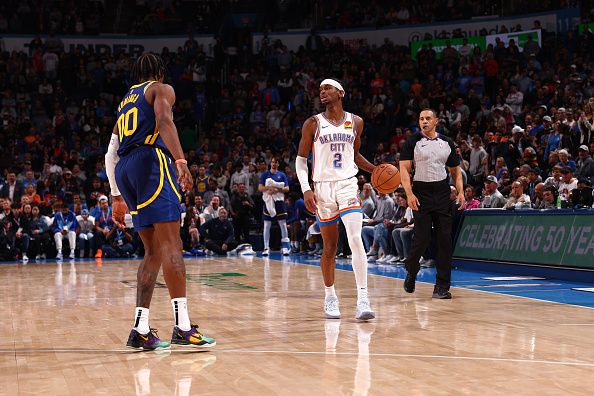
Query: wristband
[181,161]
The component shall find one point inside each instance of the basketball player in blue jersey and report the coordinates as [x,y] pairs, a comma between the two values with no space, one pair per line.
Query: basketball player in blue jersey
[334,138]
[273,185]
[143,159]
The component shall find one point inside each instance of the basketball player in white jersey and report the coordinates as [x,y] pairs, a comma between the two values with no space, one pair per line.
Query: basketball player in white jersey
[334,136]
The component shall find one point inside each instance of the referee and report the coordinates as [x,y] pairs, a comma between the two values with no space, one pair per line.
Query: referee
[429,198]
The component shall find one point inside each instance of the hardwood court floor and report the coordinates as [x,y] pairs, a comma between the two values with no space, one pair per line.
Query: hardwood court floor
[63,328]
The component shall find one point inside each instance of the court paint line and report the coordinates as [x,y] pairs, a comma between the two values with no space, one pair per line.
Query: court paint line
[286,352]
[419,356]
[456,287]
[529,298]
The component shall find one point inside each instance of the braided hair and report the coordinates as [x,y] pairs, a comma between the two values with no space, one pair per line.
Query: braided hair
[148,66]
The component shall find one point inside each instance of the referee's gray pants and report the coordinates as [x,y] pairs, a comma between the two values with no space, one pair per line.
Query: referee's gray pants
[435,209]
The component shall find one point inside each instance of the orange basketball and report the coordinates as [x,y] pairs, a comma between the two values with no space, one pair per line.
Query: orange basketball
[385,178]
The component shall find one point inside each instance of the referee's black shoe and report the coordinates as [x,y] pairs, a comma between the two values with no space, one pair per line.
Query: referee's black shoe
[409,283]
[442,292]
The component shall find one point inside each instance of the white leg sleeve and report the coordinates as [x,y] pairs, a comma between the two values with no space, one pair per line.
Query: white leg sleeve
[283,228]
[58,240]
[353,223]
[267,225]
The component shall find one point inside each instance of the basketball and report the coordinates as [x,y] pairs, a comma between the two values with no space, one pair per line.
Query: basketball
[385,178]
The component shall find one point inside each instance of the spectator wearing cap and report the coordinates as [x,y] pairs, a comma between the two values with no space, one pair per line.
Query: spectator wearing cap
[585,164]
[86,225]
[492,198]
[565,161]
[517,198]
[567,184]
[511,152]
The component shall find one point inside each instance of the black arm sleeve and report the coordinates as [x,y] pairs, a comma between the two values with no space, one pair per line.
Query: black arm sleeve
[453,159]
[408,149]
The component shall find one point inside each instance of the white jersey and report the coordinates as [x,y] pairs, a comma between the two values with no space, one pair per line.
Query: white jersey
[334,149]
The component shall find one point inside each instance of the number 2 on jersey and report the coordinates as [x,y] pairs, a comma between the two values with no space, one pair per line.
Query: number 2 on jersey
[337,160]
[125,127]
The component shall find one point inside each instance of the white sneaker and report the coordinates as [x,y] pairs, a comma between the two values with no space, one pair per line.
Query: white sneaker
[372,258]
[331,308]
[71,254]
[25,258]
[266,252]
[394,259]
[386,258]
[286,251]
[372,252]
[59,256]
[209,252]
[364,311]
[428,263]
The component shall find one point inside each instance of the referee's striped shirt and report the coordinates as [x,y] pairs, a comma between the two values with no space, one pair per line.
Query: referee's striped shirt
[430,156]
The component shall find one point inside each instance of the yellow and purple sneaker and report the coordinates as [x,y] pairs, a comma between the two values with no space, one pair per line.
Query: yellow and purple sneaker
[146,342]
[191,337]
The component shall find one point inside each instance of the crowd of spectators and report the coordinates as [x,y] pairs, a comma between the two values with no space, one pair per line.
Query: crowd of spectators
[522,121]
[207,16]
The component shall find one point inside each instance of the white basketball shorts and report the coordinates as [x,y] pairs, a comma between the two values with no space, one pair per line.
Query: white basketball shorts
[336,198]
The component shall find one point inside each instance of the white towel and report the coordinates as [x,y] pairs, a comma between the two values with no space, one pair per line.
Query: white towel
[269,199]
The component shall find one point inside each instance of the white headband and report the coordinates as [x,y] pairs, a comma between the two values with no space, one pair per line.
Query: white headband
[332,82]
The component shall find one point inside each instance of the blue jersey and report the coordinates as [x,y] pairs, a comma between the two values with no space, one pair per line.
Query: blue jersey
[277,177]
[137,125]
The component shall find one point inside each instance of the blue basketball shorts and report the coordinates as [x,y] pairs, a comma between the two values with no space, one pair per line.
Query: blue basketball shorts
[147,180]
[281,212]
